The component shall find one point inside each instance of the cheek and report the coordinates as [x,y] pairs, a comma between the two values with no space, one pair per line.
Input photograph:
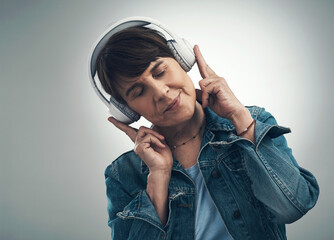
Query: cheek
[181,78]
[142,107]
[189,86]
[139,107]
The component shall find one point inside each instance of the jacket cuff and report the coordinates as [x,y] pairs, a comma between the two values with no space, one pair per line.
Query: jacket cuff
[272,130]
[142,208]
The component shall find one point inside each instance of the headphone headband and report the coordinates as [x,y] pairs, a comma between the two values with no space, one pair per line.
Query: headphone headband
[180,48]
[119,26]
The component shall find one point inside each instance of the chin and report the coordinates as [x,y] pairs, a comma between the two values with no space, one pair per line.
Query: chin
[181,117]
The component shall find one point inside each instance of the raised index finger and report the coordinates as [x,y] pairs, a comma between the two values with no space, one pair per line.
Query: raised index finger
[130,131]
[203,67]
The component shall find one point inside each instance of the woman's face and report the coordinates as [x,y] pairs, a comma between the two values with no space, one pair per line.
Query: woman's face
[164,94]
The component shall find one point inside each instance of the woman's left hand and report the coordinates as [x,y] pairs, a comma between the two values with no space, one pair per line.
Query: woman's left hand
[215,92]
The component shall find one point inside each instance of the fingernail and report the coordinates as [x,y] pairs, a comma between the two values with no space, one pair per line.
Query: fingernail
[110,119]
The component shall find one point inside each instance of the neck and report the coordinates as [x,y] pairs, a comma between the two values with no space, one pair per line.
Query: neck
[177,134]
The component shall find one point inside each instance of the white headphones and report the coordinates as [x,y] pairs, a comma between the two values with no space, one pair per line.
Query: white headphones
[180,48]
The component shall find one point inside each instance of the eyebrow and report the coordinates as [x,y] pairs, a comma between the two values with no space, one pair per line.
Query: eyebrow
[156,65]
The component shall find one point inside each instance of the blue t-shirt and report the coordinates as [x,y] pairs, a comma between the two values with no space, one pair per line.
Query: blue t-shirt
[209,224]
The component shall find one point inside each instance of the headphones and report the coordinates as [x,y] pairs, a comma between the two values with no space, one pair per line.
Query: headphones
[180,48]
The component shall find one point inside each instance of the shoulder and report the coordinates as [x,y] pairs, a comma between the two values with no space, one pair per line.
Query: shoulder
[126,173]
[127,164]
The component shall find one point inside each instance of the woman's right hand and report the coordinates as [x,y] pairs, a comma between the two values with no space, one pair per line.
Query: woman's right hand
[153,150]
[149,146]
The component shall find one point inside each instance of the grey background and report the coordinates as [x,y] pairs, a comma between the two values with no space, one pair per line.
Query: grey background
[55,138]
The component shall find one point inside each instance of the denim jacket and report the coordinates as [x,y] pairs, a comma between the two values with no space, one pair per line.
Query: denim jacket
[257,188]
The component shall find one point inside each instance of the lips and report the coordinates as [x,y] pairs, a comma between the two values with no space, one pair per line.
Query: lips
[174,105]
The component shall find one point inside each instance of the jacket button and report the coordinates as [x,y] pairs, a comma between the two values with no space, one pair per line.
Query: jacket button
[215,173]
[236,214]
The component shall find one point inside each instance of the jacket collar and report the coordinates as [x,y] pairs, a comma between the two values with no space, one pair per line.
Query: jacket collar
[217,123]
[213,123]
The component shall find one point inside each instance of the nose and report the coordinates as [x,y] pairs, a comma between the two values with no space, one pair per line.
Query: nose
[160,90]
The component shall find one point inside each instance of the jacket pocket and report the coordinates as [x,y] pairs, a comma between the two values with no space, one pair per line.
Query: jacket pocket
[233,160]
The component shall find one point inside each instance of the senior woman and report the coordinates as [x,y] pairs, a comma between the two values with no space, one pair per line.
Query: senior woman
[209,167]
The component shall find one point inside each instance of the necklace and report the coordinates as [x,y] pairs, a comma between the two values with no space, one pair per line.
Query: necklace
[193,137]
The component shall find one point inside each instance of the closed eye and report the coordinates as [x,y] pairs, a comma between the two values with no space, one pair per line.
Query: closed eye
[137,92]
[160,74]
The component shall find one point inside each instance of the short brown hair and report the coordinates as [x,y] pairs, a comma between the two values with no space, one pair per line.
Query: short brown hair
[128,54]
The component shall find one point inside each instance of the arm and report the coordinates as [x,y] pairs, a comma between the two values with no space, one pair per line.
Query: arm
[151,148]
[287,190]
[131,215]
[157,190]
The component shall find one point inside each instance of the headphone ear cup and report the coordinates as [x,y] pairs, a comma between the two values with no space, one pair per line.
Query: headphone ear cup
[122,112]
[183,53]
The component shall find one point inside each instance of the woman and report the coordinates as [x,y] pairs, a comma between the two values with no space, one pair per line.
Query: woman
[207,169]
